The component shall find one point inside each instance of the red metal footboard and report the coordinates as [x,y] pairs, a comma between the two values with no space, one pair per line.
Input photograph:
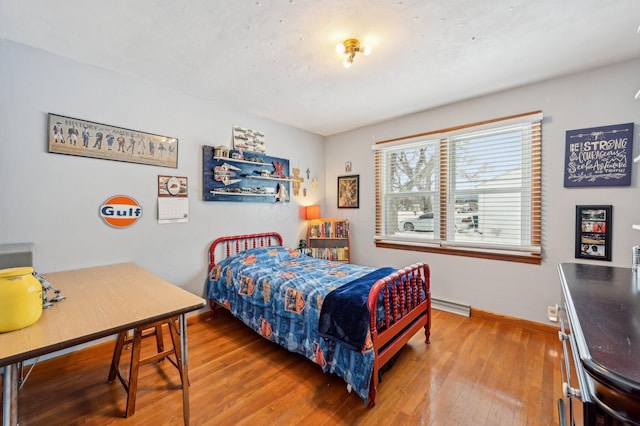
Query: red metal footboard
[407,306]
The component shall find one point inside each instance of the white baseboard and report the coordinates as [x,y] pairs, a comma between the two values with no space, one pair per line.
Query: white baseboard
[451,307]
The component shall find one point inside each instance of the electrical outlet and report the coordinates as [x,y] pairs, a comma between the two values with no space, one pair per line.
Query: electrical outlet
[552,313]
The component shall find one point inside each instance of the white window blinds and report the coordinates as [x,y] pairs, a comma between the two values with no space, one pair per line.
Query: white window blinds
[475,186]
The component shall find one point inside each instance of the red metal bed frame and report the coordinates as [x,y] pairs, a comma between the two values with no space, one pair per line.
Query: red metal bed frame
[406,298]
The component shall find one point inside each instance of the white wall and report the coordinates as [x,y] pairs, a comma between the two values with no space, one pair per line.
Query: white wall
[52,200]
[600,97]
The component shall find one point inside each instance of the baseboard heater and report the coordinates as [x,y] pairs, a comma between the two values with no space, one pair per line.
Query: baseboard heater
[451,307]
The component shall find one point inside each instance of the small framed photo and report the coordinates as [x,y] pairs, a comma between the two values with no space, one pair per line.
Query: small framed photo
[349,192]
[593,232]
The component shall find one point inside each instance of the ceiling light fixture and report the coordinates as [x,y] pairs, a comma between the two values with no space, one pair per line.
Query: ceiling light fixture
[350,47]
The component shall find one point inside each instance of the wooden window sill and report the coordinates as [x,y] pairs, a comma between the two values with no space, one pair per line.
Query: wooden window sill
[530,258]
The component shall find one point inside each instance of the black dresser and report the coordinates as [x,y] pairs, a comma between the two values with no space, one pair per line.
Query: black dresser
[600,334]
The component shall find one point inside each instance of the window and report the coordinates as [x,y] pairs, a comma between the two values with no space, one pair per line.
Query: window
[472,190]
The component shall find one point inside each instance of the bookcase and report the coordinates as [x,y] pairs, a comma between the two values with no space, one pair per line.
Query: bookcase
[328,238]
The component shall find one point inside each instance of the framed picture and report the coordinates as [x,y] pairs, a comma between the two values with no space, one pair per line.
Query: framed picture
[593,232]
[349,192]
[172,186]
[73,136]
[249,140]
[599,156]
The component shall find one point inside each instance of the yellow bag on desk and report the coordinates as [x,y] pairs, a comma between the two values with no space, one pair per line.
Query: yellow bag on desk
[20,298]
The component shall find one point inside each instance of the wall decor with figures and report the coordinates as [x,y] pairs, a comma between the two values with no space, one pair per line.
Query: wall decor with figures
[245,176]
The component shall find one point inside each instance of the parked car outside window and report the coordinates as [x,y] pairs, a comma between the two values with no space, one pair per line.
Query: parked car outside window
[426,223]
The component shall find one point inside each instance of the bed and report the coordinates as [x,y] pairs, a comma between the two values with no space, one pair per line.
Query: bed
[351,320]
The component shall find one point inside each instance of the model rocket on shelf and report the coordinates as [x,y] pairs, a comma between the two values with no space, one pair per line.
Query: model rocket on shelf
[282,195]
[224,173]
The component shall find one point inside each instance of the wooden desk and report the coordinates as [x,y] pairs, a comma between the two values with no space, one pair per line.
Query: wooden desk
[100,301]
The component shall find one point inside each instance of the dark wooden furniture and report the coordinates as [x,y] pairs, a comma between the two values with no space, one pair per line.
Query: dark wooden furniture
[602,306]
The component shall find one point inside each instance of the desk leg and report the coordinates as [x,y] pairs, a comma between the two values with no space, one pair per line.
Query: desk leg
[184,368]
[133,372]
[10,395]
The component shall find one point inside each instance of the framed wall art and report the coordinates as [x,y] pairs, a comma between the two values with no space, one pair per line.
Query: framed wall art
[73,136]
[599,156]
[249,140]
[593,232]
[349,192]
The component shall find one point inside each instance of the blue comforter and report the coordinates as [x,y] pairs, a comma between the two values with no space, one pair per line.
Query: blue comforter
[279,293]
[345,315]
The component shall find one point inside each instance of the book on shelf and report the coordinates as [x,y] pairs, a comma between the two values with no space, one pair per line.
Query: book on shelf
[341,229]
[329,229]
[314,231]
[340,254]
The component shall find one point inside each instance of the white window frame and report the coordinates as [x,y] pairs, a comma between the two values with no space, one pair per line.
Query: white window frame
[528,249]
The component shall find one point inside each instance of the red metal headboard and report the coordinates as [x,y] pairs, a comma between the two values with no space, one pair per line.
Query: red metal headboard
[236,243]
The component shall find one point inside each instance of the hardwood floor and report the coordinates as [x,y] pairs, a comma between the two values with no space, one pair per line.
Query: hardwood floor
[474,372]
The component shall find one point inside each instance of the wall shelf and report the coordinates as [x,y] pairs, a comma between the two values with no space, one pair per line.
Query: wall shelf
[247,194]
[269,178]
[253,178]
[233,160]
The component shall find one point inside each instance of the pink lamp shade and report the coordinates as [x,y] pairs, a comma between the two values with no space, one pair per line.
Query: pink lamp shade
[312,212]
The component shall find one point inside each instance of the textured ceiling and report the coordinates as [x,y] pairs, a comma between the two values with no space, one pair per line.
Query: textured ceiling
[277,59]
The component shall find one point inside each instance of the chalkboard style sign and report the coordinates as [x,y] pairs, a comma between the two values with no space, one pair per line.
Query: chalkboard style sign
[599,156]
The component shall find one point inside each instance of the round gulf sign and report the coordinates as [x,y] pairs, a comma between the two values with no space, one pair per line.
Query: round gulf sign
[120,211]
